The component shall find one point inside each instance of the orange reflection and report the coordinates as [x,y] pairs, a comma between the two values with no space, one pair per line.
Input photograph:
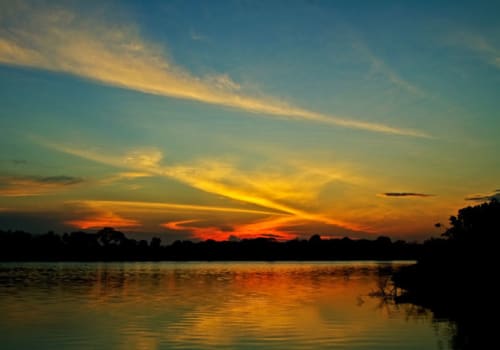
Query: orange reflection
[326,304]
[200,305]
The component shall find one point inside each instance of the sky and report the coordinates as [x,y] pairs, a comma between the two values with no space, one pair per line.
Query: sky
[240,119]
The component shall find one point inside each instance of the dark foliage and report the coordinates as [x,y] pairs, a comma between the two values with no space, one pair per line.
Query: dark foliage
[109,244]
[455,275]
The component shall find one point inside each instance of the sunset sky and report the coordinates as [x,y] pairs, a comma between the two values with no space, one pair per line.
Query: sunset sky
[219,119]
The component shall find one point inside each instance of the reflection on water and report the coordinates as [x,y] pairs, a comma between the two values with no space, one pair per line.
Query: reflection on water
[207,306]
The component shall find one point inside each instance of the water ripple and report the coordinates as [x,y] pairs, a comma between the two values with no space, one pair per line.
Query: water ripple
[204,306]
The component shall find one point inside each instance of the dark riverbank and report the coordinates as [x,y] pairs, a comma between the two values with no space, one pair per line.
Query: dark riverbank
[463,295]
[455,277]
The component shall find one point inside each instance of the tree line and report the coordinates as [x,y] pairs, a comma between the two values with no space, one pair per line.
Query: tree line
[109,244]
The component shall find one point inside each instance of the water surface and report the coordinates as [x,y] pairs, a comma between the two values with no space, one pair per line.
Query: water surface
[208,306]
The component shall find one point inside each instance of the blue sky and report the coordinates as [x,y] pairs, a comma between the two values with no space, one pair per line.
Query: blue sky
[200,120]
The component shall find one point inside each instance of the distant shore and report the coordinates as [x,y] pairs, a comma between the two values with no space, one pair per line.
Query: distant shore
[111,245]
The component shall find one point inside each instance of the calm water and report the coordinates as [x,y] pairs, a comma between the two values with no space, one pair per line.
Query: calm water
[207,306]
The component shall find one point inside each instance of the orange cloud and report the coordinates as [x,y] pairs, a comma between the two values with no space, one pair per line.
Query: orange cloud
[178,225]
[119,213]
[269,228]
[103,220]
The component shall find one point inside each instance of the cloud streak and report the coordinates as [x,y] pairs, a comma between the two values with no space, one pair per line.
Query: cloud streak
[60,40]
[495,195]
[481,46]
[61,180]
[380,66]
[135,206]
[26,186]
[405,194]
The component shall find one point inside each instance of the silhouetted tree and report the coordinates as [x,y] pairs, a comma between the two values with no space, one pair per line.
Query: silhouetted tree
[155,243]
[453,276]
[315,238]
[109,236]
[481,222]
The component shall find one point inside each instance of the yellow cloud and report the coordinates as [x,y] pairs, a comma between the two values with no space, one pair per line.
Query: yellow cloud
[224,179]
[135,206]
[144,158]
[235,187]
[61,40]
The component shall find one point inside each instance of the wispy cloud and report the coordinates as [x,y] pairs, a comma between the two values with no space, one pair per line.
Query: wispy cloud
[379,66]
[129,178]
[24,186]
[128,175]
[61,180]
[405,194]
[196,36]
[482,46]
[481,197]
[62,40]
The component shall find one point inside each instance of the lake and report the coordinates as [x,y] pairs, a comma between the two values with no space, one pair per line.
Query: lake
[205,305]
